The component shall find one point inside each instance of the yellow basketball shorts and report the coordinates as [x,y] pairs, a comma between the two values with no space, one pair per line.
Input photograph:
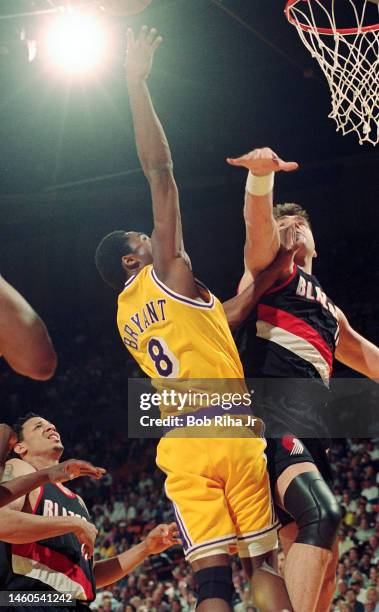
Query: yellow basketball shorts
[220,491]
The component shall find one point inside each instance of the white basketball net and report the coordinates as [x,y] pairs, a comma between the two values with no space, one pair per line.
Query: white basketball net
[349,60]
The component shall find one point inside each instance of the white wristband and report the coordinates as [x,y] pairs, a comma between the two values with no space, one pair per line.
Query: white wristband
[260,185]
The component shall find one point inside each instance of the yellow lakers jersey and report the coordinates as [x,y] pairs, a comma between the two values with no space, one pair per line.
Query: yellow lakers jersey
[175,337]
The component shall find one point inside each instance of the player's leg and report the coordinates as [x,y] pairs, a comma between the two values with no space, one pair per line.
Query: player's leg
[202,515]
[269,589]
[249,497]
[213,577]
[329,584]
[288,535]
[305,495]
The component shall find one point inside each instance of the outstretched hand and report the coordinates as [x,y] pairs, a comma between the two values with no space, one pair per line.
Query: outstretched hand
[140,52]
[262,161]
[162,537]
[74,468]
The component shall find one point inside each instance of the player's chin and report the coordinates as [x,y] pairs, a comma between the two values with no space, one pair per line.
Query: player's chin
[58,446]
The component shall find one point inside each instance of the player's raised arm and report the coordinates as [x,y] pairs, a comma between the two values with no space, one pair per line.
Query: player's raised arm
[24,341]
[154,154]
[262,236]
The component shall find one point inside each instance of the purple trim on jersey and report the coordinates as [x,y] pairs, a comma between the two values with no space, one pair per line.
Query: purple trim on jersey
[130,280]
[284,283]
[186,541]
[211,412]
[224,540]
[182,298]
[260,533]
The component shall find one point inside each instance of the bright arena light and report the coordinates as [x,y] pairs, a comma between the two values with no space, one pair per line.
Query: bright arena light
[76,43]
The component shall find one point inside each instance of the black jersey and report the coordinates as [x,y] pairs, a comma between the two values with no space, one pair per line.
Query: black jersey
[292,333]
[291,337]
[55,564]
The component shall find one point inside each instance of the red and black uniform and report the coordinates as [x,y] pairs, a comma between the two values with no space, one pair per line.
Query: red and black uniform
[287,345]
[55,564]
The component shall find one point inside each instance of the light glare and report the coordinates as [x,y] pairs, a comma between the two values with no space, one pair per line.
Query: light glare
[76,43]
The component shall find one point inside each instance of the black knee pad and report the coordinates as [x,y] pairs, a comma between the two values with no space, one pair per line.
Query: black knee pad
[313,506]
[215,582]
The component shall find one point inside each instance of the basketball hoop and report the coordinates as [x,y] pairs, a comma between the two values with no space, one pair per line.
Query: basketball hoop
[348,56]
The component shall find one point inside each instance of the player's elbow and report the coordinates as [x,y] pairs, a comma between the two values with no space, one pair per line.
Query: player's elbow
[38,366]
[44,368]
[158,173]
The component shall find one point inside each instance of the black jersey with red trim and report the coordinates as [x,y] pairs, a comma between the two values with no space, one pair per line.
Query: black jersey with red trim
[55,564]
[291,336]
[292,333]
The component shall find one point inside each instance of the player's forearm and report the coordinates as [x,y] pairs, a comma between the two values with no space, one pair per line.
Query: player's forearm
[262,236]
[155,157]
[152,146]
[360,355]
[11,490]
[238,308]
[355,351]
[22,528]
[109,571]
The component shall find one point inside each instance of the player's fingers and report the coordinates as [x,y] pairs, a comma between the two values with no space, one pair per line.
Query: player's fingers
[157,42]
[287,166]
[151,35]
[236,161]
[93,472]
[143,33]
[173,525]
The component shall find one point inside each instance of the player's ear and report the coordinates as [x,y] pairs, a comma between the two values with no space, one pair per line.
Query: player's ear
[19,448]
[314,253]
[130,262]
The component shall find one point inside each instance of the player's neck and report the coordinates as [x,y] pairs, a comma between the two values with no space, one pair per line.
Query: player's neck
[41,462]
[308,265]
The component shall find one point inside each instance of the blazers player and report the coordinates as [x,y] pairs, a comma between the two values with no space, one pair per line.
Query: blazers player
[10,490]
[48,555]
[176,329]
[294,333]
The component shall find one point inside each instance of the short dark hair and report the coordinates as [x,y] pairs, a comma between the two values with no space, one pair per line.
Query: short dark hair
[290,209]
[108,258]
[19,424]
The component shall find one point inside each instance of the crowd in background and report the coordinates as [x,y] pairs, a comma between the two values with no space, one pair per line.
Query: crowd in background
[129,500]
[87,401]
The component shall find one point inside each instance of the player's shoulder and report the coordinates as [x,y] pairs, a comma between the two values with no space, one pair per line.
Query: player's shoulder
[16,467]
[82,502]
[135,281]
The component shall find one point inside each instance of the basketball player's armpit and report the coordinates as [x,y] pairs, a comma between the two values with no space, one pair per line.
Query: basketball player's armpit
[355,351]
